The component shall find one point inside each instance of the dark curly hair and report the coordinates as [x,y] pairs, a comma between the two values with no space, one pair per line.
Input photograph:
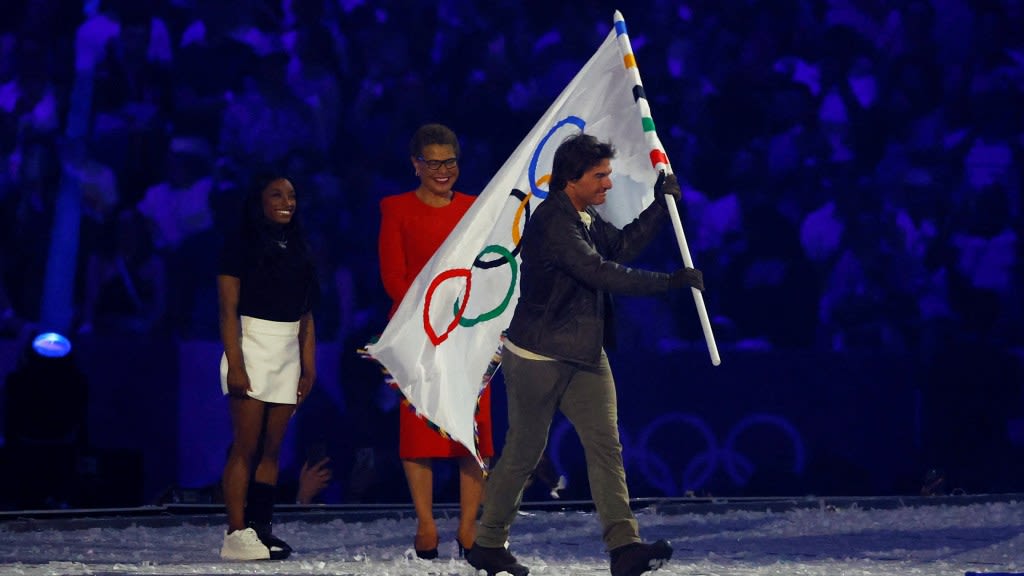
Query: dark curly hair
[575,155]
[430,134]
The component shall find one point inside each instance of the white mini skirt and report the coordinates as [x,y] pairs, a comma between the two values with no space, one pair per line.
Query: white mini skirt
[272,360]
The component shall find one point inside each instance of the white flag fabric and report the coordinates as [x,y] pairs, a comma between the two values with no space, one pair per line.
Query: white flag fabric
[440,343]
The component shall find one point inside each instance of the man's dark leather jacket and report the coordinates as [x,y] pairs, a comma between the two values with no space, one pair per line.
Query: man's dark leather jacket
[569,274]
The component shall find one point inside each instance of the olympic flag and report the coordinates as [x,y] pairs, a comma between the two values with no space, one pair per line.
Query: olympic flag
[441,342]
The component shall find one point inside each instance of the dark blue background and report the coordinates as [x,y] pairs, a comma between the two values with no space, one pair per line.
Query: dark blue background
[851,173]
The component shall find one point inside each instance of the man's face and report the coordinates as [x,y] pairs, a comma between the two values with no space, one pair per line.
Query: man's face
[592,188]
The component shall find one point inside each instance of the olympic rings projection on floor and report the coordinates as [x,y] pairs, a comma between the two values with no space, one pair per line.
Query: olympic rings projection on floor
[643,457]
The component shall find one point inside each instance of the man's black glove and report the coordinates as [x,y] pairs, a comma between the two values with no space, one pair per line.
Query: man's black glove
[687,277]
[667,185]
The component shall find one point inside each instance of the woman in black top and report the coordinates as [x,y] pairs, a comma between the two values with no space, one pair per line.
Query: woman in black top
[267,288]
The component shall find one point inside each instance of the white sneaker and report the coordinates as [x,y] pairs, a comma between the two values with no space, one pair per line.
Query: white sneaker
[243,545]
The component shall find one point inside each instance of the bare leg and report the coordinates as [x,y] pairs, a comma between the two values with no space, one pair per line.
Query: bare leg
[471,495]
[246,422]
[278,416]
[419,473]
[259,513]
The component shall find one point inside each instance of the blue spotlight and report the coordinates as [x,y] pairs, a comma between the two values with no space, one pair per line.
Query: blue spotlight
[51,345]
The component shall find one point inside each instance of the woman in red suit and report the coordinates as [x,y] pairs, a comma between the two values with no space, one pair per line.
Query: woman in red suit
[413,226]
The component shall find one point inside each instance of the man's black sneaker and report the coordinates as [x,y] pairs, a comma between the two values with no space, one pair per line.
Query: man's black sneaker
[495,561]
[639,557]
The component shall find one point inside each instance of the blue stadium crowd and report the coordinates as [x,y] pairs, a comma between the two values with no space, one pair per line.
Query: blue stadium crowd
[852,168]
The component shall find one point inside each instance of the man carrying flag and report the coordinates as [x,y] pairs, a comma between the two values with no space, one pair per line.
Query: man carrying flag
[572,260]
[439,346]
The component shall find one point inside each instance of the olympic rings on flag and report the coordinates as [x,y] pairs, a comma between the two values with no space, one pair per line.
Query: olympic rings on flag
[522,215]
[460,308]
[435,338]
[535,182]
[503,254]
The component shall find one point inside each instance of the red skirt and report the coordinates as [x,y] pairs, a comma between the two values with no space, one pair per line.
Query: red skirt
[417,439]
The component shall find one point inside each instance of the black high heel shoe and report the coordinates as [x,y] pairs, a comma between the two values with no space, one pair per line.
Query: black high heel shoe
[428,554]
[463,551]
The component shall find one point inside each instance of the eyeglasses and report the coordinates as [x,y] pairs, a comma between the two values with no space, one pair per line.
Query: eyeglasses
[436,164]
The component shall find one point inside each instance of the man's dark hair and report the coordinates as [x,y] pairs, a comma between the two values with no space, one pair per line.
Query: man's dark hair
[433,134]
[575,155]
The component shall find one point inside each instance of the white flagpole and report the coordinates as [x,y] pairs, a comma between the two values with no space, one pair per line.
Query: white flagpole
[673,211]
[698,298]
